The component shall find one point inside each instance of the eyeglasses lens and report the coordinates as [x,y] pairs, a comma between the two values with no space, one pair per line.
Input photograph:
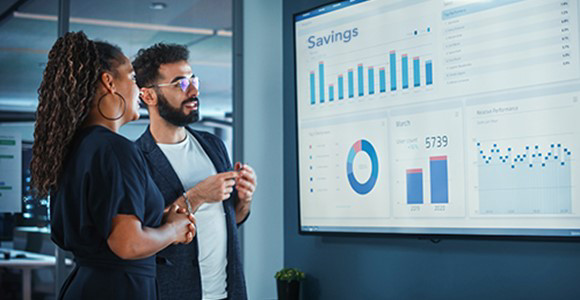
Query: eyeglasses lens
[185,82]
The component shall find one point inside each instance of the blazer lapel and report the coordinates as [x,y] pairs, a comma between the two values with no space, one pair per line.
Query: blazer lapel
[166,178]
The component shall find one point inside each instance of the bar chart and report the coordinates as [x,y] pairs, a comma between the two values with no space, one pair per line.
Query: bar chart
[391,60]
[438,182]
[420,73]
[427,164]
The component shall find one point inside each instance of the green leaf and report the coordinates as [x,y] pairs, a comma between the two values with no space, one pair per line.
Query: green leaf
[290,274]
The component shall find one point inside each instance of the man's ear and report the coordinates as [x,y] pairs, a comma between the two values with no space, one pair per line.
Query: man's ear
[107,81]
[148,96]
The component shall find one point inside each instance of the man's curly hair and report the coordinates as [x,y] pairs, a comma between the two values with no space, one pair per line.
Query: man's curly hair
[147,62]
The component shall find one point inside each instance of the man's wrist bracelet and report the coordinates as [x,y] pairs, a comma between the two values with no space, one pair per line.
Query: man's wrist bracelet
[187,202]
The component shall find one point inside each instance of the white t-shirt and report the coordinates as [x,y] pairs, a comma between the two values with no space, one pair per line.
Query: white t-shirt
[192,165]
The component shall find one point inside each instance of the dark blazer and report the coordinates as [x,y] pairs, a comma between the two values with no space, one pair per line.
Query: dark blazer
[178,273]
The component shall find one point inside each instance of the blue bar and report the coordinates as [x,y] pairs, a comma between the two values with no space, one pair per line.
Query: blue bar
[361,88]
[371,80]
[393,65]
[331,93]
[382,79]
[312,89]
[405,62]
[350,83]
[438,173]
[415,186]
[428,72]
[416,74]
[340,87]
[321,80]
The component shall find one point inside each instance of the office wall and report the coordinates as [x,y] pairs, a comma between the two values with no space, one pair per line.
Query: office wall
[262,142]
[380,267]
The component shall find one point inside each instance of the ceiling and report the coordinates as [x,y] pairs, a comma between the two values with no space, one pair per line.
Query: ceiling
[27,35]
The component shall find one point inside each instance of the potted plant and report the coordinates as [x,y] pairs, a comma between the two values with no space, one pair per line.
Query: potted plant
[288,283]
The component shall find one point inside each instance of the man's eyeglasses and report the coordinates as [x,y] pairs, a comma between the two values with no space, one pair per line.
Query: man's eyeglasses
[182,83]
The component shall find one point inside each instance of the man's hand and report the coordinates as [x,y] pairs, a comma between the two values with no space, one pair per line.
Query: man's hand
[215,188]
[246,183]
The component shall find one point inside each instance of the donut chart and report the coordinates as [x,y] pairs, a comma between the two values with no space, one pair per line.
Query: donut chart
[362,188]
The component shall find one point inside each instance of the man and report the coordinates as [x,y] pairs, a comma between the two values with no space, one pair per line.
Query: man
[194,166]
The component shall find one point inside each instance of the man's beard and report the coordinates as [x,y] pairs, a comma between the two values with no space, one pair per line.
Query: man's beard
[175,116]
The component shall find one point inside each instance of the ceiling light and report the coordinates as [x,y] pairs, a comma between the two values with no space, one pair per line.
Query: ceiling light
[158,5]
[120,24]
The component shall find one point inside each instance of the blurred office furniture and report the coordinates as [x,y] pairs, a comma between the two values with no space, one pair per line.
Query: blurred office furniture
[26,261]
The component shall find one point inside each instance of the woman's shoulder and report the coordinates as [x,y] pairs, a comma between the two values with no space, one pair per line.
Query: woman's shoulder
[101,139]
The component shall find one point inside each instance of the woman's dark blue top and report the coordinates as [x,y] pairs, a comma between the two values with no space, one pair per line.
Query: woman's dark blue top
[104,175]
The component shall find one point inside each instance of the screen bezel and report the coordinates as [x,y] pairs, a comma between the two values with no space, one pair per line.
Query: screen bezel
[471,233]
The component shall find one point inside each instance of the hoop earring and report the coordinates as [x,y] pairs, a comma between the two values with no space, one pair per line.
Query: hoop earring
[108,118]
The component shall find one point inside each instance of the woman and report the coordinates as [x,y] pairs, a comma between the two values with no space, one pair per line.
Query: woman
[105,208]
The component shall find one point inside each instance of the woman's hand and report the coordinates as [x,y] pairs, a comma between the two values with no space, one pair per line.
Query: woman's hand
[129,239]
[182,222]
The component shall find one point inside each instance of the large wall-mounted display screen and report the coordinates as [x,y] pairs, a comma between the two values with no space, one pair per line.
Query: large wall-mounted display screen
[439,117]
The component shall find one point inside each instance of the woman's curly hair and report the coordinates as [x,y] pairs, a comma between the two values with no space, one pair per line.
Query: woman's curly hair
[68,87]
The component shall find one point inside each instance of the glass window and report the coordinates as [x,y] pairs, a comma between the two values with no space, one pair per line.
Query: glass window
[204,26]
